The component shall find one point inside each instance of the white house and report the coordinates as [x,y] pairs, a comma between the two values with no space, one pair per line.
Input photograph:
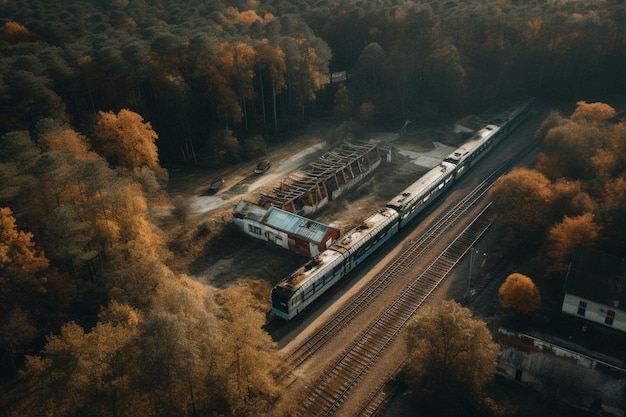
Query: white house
[595,289]
[284,229]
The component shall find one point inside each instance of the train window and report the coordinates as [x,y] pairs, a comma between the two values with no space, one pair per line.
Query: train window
[296,300]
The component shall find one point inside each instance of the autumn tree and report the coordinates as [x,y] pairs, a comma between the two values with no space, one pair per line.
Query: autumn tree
[448,351]
[22,286]
[32,97]
[55,135]
[368,72]
[367,112]
[554,119]
[611,215]
[519,293]
[564,237]
[522,206]
[126,140]
[448,78]
[89,372]
[610,160]
[592,113]
[251,367]
[236,63]
[569,147]
[18,154]
[14,32]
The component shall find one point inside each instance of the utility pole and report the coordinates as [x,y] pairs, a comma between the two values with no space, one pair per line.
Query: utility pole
[473,253]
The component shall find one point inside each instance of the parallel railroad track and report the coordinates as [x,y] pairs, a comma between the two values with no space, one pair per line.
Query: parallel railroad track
[400,265]
[337,381]
[333,387]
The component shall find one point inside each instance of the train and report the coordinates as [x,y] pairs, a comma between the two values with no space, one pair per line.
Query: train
[305,285]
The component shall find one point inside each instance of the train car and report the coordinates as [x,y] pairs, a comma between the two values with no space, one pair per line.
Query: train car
[516,116]
[474,149]
[310,281]
[306,284]
[422,192]
[487,137]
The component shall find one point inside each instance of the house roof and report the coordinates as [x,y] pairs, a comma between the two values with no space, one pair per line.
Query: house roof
[284,221]
[296,225]
[245,210]
[599,277]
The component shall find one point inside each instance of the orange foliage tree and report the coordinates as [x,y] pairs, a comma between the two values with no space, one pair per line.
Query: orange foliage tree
[126,139]
[448,350]
[571,233]
[522,206]
[21,282]
[15,32]
[519,293]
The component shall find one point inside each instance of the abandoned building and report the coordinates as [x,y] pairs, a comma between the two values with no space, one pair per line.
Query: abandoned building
[569,376]
[336,171]
[284,229]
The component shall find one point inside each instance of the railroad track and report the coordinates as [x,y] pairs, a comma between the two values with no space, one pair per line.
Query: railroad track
[341,376]
[333,387]
[400,265]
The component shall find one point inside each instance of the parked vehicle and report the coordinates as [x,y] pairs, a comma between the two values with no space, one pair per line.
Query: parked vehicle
[262,167]
[216,184]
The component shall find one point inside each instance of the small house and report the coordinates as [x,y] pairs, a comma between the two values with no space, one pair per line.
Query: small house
[595,289]
[284,229]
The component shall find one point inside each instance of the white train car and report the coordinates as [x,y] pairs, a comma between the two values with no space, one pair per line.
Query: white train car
[306,284]
[474,149]
[311,280]
[422,192]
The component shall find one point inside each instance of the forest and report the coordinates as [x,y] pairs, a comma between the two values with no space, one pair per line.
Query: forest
[574,196]
[100,99]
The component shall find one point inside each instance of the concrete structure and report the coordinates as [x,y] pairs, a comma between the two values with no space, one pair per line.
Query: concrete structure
[581,380]
[595,289]
[305,192]
[284,229]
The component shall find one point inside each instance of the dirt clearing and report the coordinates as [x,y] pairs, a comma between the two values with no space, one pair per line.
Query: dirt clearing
[207,246]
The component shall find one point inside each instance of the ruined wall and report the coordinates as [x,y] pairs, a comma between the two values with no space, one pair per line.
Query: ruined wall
[569,376]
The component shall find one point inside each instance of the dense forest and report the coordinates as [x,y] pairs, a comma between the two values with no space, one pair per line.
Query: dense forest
[99,97]
[218,79]
[575,195]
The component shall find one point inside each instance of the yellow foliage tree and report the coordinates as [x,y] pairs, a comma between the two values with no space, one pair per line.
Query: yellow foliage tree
[21,285]
[592,113]
[14,32]
[55,136]
[522,205]
[449,351]
[519,293]
[126,139]
[573,232]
